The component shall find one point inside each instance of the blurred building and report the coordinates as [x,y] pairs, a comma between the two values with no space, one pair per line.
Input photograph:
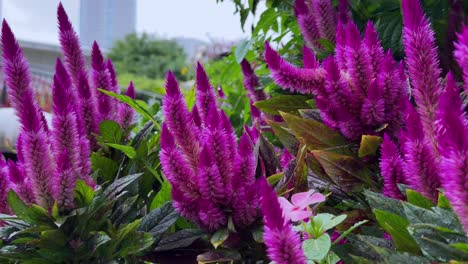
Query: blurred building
[106,21]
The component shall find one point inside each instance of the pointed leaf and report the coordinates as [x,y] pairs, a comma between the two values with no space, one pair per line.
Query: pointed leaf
[369,145]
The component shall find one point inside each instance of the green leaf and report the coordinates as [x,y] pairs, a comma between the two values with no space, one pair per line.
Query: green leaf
[83,193]
[443,202]
[159,220]
[418,199]
[436,245]
[275,178]
[283,103]
[369,145]
[317,249]
[242,49]
[219,237]
[179,239]
[34,214]
[345,171]
[128,150]
[396,226]
[315,134]
[381,202]
[110,131]
[257,234]
[285,137]
[164,195]
[134,104]
[461,246]
[347,232]
[437,216]
[105,167]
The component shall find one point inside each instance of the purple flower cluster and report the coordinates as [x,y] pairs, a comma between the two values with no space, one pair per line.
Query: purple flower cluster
[318,19]
[358,90]
[212,176]
[283,244]
[51,160]
[433,147]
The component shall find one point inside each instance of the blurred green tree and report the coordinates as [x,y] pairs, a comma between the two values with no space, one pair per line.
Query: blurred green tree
[146,56]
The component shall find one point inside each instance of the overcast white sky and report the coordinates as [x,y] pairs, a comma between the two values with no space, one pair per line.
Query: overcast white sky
[203,19]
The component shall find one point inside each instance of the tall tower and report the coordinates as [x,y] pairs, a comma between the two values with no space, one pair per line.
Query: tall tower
[106,21]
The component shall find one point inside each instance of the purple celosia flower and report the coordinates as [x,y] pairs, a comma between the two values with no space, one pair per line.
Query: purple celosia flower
[283,244]
[21,184]
[127,113]
[74,58]
[113,76]
[357,91]
[291,77]
[422,63]
[180,122]
[206,98]
[344,14]
[65,181]
[421,167]
[325,18]
[461,54]
[307,23]
[88,110]
[4,188]
[102,79]
[251,83]
[452,124]
[391,167]
[212,182]
[37,155]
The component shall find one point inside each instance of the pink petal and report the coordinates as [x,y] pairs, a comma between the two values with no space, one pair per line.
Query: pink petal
[286,206]
[299,215]
[316,198]
[301,200]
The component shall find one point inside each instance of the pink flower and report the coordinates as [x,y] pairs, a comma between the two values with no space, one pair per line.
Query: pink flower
[299,208]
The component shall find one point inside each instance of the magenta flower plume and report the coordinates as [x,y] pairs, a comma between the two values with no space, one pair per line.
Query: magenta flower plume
[38,161]
[461,54]
[113,76]
[71,48]
[209,178]
[453,147]
[421,168]
[307,23]
[325,17]
[391,167]
[4,188]
[65,181]
[213,183]
[291,77]
[251,83]
[344,14]
[372,42]
[283,244]
[21,184]
[422,63]
[102,80]
[176,169]
[88,109]
[180,122]
[206,98]
[126,113]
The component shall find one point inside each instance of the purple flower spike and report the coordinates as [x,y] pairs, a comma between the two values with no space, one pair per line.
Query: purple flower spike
[391,166]
[206,98]
[209,178]
[325,17]
[88,110]
[371,40]
[245,162]
[251,83]
[65,181]
[180,122]
[71,48]
[38,161]
[21,184]
[461,54]
[307,23]
[290,77]
[127,113]
[344,14]
[176,169]
[308,57]
[102,80]
[283,244]
[4,188]
[211,216]
[113,76]
[423,64]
